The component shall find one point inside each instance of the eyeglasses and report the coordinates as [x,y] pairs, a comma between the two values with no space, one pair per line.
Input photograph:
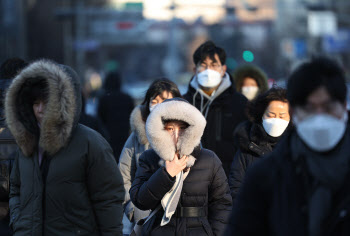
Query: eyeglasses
[214,66]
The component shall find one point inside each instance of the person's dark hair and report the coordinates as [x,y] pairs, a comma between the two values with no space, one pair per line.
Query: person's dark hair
[311,75]
[155,89]
[10,68]
[257,107]
[112,82]
[209,49]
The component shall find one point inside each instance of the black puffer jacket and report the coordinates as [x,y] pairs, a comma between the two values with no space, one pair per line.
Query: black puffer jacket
[77,189]
[273,201]
[225,112]
[253,142]
[204,188]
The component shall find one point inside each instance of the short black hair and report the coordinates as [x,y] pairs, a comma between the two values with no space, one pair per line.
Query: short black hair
[209,49]
[257,107]
[11,67]
[157,88]
[309,76]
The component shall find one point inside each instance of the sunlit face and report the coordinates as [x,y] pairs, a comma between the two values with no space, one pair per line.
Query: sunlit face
[39,107]
[249,82]
[160,98]
[320,102]
[208,63]
[277,109]
[175,129]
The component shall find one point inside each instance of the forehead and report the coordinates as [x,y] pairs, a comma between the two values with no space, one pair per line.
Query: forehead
[277,106]
[318,96]
[175,123]
[209,60]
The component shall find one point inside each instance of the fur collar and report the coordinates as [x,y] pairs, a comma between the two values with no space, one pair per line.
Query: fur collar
[62,109]
[138,125]
[159,138]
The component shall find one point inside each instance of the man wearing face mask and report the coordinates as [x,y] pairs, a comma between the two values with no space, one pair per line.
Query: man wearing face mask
[303,186]
[212,91]
[268,121]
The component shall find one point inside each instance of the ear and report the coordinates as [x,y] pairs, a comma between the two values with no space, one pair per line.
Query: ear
[194,70]
[291,111]
[224,68]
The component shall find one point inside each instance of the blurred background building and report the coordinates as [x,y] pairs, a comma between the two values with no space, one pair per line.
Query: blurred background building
[147,39]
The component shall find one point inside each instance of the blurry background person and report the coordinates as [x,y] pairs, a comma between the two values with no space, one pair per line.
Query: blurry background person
[201,201]
[250,80]
[212,91]
[268,120]
[137,143]
[114,109]
[302,187]
[8,70]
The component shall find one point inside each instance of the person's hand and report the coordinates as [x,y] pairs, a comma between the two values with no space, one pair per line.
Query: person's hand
[176,165]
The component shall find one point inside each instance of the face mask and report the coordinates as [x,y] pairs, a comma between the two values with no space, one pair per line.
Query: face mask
[151,107]
[275,126]
[321,132]
[209,78]
[250,92]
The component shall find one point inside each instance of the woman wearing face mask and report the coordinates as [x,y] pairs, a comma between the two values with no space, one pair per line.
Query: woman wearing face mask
[250,81]
[185,183]
[269,119]
[137,142]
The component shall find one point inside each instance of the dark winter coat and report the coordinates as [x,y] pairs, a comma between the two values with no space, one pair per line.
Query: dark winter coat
[78,189]
[273,199]
[253,143]
[225,113]
[114,109]
[205,186]
[8,148]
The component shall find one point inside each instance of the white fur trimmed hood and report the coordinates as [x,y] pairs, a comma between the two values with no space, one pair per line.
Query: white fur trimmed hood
[138,125]
[159,138]
[62,109]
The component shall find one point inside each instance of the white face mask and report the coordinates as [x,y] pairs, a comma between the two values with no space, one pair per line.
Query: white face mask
[250,92]
[275,126]
[151,107]
[209,78]
[321,132]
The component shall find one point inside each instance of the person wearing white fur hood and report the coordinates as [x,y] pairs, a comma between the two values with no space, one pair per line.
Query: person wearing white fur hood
[137,142]
[186,182]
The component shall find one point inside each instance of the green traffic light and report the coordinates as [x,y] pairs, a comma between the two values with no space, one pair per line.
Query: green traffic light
[248,56]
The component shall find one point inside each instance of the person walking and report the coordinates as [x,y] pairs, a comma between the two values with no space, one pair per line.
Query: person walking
[8,70]
[212,91]
[65,180]
[269,119]
[114,109]
[184,181]
[303,186]
[137,143]
[250,80]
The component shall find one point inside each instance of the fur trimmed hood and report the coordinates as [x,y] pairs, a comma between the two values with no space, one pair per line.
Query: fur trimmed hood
[159,138]
[62,109]
[252,71]
[138,125]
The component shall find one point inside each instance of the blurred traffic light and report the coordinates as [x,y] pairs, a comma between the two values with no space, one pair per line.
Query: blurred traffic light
[248,56]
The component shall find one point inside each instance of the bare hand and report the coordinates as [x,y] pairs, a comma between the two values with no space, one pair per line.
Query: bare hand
[176,165]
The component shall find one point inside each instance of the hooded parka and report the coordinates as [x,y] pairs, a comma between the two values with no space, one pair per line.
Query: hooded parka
[136,144]
[205,189]
[77,189]
[224,112]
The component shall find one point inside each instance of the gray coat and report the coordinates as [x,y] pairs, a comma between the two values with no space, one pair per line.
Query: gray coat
[136,144]
[77,189]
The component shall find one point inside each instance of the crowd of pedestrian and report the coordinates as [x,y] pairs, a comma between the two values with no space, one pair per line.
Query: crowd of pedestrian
[229,157]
